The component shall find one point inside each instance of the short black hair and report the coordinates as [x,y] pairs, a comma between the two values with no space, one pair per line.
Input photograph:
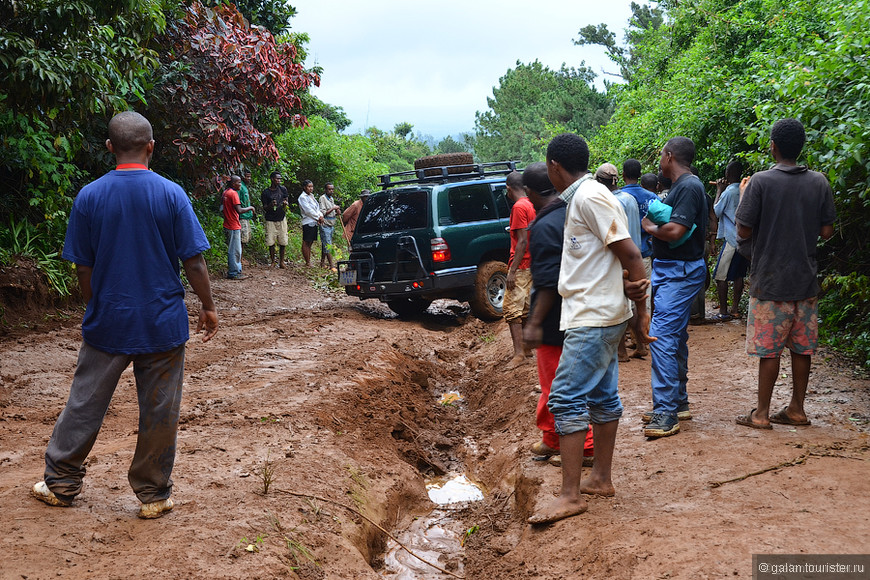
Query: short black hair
[535,177]
[683,149]
[631,169]
[514,179]
[664,182]
[789,136]
[570,151]
[733,171]
[234,178]
[306,182]
[649,181]
[327,184]
[129,131]
[273,174]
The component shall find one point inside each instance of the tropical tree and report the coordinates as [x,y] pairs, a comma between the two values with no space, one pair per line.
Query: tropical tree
[533,103]
[219,83]
[319,152]
[64,66]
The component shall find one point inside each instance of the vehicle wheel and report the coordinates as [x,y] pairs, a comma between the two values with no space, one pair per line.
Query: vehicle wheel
[489,288]
[408,307]
[456,162]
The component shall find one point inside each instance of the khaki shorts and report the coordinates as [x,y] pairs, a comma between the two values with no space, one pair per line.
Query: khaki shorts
[517,301]
[276,231]
[246,231]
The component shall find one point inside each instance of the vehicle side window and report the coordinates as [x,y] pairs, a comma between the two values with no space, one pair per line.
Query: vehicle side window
[471,203]
[501,202]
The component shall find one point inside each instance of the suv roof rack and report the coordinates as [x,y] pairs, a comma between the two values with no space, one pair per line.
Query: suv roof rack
[474,171]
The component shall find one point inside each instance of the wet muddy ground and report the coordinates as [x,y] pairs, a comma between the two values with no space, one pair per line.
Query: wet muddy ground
[337,406]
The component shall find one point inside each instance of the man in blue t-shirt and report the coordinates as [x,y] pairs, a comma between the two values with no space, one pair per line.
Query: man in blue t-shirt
[679,273]
[127,232]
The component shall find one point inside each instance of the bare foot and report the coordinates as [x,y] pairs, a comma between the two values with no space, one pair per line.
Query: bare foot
[640,353]
[558,509]
[591,486]
[516,361]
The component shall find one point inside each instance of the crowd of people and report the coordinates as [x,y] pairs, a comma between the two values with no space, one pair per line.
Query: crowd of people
[603,258]
[319,217]
[588,260]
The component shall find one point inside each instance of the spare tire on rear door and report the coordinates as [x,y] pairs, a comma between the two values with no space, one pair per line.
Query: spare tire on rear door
[489,288]
[455,162]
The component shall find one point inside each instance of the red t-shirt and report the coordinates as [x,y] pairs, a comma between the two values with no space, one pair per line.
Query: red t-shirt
[522,214]
[231,218]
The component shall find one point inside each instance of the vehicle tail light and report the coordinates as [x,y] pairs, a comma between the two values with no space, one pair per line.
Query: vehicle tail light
[440,250]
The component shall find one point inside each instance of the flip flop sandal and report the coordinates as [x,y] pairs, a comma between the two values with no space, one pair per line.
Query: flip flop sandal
[781,418]
[746,421]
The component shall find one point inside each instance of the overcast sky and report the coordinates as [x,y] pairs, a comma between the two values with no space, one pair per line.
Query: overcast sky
[433,64]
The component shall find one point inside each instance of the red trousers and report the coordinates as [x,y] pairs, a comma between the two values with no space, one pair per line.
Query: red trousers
[548,360]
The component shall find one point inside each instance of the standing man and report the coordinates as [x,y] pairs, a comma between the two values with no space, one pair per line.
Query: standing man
[127,232]
[781,216]
[608,176]
[678,275]
[519,278]
[311,218]
[327,228]
[631,175]
[233,228]
[541,331]
[245,200]
[596,249]
[731,266]
[275,201]
[351,215]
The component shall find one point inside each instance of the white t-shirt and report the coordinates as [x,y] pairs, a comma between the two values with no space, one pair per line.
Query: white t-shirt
[590,279]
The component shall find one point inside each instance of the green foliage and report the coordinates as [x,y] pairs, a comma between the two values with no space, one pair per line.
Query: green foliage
[450,145]
[273,15]
[395,150]
[844,312]
[531,105]
[320,153]
[723,71]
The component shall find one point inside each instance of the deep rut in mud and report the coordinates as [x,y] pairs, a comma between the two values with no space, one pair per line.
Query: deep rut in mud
[341,401]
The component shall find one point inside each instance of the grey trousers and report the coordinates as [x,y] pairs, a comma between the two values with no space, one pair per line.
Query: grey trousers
[158,385]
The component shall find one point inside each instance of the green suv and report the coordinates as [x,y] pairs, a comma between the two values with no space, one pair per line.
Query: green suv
[440,232]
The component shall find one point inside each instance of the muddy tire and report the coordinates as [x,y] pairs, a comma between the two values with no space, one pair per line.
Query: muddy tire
[408,307]
[456,162]
[489,290]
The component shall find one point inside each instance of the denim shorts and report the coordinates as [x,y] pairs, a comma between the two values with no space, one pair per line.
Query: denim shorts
[585,389]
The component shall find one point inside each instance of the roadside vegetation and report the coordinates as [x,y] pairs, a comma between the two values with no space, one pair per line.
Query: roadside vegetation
[222,94]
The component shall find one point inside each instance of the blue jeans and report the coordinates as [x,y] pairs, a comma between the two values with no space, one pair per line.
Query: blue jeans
[584,389]
[675,284]
[234,252]
[326,238]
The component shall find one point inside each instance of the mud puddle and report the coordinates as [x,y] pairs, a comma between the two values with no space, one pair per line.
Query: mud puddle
[437,538]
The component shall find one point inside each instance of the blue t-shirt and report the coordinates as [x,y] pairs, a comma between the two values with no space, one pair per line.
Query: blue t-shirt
[643,197]
[726,210]
[132,228]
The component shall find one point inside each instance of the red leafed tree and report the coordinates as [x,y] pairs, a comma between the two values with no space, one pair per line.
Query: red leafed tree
[221,82]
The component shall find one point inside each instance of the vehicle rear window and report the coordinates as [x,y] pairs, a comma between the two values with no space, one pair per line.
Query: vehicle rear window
[394,211]
[471,203]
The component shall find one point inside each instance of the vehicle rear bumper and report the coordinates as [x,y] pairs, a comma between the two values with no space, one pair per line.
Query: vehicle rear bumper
[431,286]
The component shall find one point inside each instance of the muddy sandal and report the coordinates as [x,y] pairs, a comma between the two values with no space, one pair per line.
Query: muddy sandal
[781,418]
[746,421]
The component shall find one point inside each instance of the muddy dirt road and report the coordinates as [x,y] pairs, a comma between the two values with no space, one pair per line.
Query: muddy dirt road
[339,400]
